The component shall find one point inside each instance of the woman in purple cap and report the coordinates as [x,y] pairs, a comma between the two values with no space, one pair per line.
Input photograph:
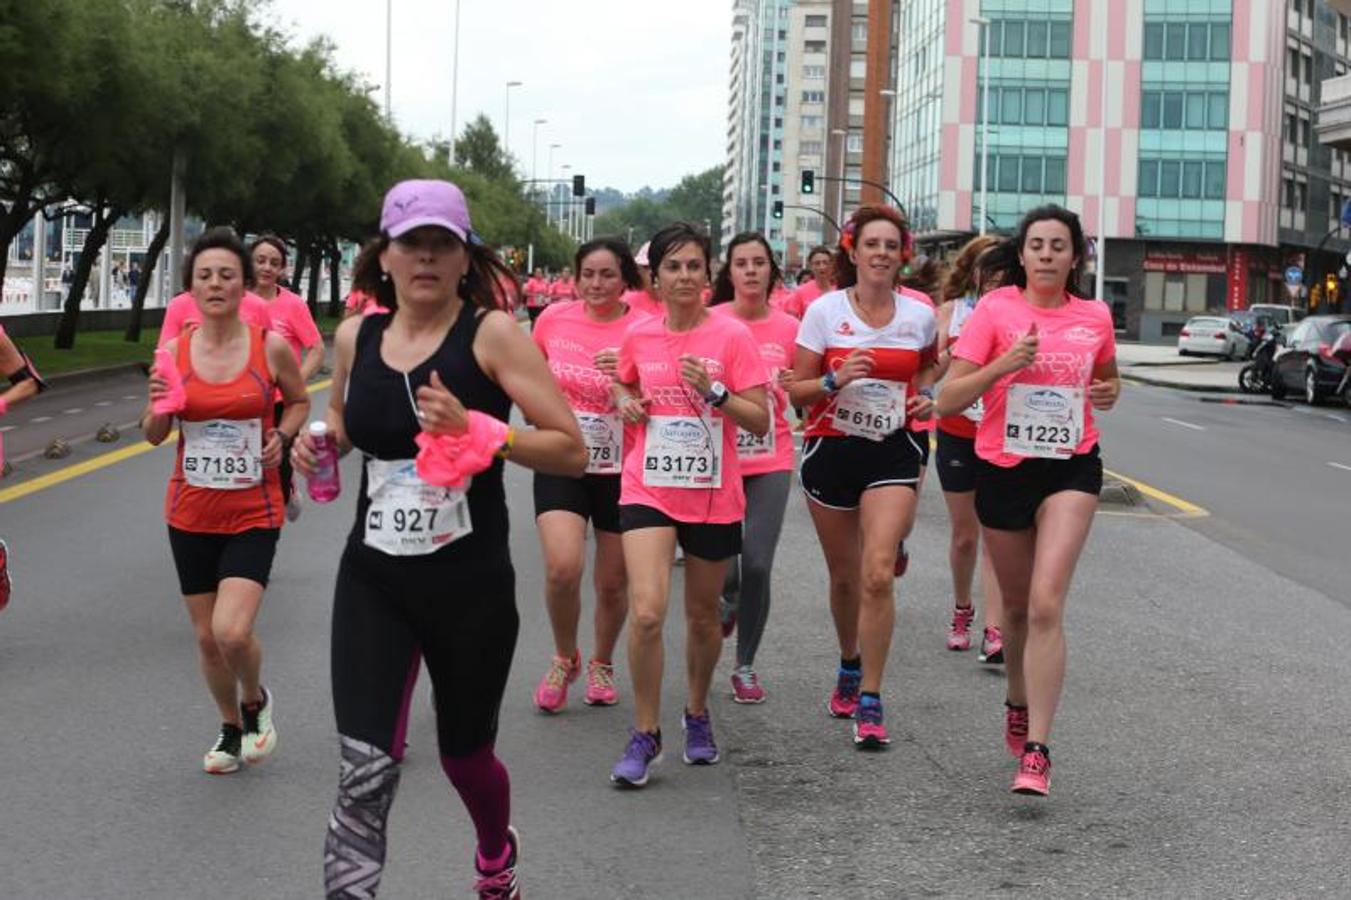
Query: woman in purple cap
[426,574]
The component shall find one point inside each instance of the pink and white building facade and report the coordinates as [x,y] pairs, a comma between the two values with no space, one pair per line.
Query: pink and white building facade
[1212,179]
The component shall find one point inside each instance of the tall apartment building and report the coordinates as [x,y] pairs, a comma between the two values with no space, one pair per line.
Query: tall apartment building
[757,109]
[805,135]
[1211,182]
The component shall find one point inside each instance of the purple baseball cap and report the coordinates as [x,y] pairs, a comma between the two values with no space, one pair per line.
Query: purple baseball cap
[412,204]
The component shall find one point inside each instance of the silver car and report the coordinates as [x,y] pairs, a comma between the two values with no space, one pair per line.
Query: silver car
[1212,336]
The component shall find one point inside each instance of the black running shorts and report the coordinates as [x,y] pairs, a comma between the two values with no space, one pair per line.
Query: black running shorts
[705,540]
[837,470]
[594,497]
[1007,499]
[205,560]
[956,463]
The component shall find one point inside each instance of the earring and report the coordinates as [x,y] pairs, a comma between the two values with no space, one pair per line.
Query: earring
[384,277]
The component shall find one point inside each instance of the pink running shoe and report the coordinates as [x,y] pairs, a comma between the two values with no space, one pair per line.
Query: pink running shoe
[600,684]
[1015,729]
[992,646]
[1034,773]
[959,638]
[844,699]
[869,731]
[746,686]
[552,694]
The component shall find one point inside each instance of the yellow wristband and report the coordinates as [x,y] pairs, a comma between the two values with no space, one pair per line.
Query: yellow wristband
[505,450]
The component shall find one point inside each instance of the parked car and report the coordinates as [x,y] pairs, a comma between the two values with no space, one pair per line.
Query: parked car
[1285,315]
[1314,360]
[1212,336]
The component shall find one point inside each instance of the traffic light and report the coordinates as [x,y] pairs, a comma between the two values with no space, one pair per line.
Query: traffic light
[579,185]
[778,209]
[590,206]
[1330,284]
[808,181]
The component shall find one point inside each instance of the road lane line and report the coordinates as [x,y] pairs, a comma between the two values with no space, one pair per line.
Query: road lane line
[1336,417]
[93,465]
[82,468]
[104,403]
[39,420]
[1340,466]
[71,412]
[1185,507]
[1184,424]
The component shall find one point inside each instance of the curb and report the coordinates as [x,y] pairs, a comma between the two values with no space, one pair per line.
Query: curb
[1120,493]
[84,376]
[1142,378]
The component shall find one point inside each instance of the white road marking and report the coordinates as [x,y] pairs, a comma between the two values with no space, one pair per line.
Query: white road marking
[4,428]
[1336,417]
[1184,424]
[1340,466]
[130,397]
[104,403]
[39,420]
[71,412]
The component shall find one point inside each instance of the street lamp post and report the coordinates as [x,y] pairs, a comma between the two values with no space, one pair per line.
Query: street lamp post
[839,192]
[389,53]
[534,151]
[506,121]
[984,24]
[553,189]
[455,80]
[562,226]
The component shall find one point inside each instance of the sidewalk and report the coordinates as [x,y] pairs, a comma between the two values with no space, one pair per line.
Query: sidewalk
[1162,366]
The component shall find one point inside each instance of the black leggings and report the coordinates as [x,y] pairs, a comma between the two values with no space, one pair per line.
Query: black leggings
[389,614]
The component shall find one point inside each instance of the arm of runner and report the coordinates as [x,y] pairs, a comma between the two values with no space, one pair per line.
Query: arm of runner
[344,350]
[157,427]
[943,320]
[747,407]
[1105,388]
[808,385]
[313,361]
[295,400]
[14,366]
[967,381]
[511,359]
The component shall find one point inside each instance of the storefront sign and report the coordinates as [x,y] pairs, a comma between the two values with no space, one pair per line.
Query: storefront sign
[1236,297]
[1186,263]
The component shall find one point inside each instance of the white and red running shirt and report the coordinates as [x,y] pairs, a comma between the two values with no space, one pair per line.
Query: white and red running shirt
[900,348]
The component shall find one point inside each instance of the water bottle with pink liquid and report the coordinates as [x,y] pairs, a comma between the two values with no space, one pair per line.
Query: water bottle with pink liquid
[325,484]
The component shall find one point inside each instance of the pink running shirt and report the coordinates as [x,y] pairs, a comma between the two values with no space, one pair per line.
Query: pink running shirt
[1072,340]
[182,311]
[650,358]
[292,320]
[570,340]
[644,302]
[776,334]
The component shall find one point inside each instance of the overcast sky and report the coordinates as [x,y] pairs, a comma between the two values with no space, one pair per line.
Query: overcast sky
[636,93]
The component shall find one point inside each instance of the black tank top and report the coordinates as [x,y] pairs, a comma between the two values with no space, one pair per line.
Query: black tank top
[381,423]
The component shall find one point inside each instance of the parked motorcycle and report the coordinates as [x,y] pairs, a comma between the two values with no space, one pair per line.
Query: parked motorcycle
[1256,376]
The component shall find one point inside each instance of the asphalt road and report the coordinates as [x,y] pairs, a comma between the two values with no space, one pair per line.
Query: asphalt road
[1200,749]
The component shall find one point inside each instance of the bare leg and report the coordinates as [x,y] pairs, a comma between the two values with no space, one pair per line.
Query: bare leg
[220,679]
[838,532]
[703,629]
[883,514]
[611,583]
[1063,523]
[648,553]
[237,602]
[562,537]
[1011,555]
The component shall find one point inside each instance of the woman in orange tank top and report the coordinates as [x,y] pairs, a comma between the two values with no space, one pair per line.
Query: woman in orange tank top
[223,504]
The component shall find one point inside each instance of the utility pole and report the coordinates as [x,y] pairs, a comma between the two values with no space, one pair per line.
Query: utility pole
[877,78]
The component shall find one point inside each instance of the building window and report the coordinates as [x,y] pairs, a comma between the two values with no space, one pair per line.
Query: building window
[1196,41]
[1149,178]
[1057,107]
[854,142]
[813,123]
[810,148]
[1189,179]
[1308,69]
[1038,39]
[814,47]
[1172,109]
[813,72]
[1170,178]
[859,32]
[858,67]
[816,21]
[813,96]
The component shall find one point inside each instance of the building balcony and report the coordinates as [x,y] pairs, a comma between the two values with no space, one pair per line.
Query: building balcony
[1333,124]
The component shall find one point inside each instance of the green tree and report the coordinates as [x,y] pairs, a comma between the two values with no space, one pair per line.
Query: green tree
[479,150]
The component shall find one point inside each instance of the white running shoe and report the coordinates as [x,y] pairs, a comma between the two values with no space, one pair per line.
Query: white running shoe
[260,736]
[223,758]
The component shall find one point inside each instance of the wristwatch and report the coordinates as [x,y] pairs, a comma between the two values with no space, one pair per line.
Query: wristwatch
[717,394]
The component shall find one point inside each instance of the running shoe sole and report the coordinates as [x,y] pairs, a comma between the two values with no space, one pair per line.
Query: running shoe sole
[227,769]
[701,762]
[870,742]
[749,701]
[1031,788]
[636,783]
[590,701]
[994,659]
[830,710]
